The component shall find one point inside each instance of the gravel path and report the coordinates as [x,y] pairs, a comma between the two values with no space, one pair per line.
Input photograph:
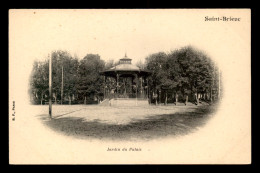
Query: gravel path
[126,123]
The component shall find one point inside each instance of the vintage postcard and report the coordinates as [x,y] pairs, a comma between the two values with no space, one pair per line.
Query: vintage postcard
[129,86]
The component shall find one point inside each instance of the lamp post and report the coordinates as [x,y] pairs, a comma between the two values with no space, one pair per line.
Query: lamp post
[50,86]
[61,85]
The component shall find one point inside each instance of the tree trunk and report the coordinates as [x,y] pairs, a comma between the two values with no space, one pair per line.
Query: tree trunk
[160,97]
[69,100]
[41,98]
[156,101]
[132,86]
[55,99]
[211,95]
[166,99]
[117,80]
[186,99]
[104,94]
[176,98]
[125,89]
[85,100]
[197,99]
[149,98]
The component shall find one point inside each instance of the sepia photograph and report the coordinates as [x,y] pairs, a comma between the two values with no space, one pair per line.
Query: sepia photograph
[129,86]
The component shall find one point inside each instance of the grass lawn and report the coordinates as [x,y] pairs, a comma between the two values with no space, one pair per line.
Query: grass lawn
[126,123]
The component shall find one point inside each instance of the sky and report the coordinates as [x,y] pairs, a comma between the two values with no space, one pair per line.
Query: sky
[112,33]
[109,33]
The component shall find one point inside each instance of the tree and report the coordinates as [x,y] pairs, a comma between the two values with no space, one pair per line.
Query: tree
[141,64]
[90,83]
[185,72]
[40,77]
[196,71]
[110,63]
[39,82]
[62,59]
[156,64]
